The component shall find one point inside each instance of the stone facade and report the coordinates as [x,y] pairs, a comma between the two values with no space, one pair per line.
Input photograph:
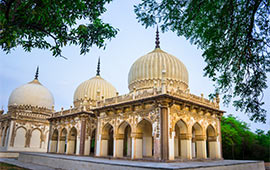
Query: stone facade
[149,124]
[25,128]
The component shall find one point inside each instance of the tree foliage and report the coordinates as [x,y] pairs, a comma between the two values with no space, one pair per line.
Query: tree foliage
[52,24]
[238,142]
[235,38]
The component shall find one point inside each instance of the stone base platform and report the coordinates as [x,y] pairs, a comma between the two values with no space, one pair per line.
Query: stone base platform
[7,154]
[85,162]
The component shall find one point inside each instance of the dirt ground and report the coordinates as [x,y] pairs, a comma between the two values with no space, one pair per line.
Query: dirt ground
[4,166]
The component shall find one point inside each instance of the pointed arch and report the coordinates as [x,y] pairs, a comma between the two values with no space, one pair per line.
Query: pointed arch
[143,123]
[124,140]
[107,143]
[106,128]
[121,128]
[54,141]
[55,134]
[4,136]
[93,142]
[181,135]
[19,140]
[63,141]
[198,141]
[182,125]
[72,141]
[211,131]
[211,142]
[145,140]
[35,141]
[197,128]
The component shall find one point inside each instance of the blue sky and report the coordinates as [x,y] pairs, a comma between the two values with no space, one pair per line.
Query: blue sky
[62,76]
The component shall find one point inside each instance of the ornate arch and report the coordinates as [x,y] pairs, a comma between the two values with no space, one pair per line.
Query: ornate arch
[122,126]
[144,119]
[211,130]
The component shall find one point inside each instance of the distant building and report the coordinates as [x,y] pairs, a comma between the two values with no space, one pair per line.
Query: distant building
[157,120]
[25,126]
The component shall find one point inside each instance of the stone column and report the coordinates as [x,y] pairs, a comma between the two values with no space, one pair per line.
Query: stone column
[171,146]
[82,137]
[133,147]
[201,146]
[164,132]
[136,146]
[77,145]
[13,134]
[114,146]
[157,148]
[186,146]
[104,140]
[59,144]
[98,145]
[87,145]
[119,145]
[213,147]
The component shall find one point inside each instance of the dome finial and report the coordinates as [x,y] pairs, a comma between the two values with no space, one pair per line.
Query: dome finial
[157,38]
[36,76]
[98,67]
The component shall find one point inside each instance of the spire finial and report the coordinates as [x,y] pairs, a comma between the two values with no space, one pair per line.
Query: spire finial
[98,67]
[157,38]
[36,76]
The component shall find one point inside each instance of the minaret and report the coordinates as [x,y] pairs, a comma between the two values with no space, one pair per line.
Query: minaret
[157,39]
[98,67]
[36,76]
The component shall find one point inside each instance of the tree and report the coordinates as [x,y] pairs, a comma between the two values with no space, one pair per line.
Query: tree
[235,38]
[238,142]
[52,24]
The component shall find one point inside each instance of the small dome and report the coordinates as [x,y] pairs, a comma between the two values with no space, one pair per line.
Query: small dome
[147,71]
[32,93]
[91,87]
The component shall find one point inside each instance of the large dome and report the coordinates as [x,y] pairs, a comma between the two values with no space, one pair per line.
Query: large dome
[147,71]
[32,93]
[90,89]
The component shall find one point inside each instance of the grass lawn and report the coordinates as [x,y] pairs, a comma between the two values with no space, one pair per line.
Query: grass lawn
[5,166]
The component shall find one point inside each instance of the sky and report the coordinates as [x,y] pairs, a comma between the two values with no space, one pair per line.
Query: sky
[62,76]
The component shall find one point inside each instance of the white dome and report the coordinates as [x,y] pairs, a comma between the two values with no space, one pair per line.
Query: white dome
[147,70]
[90,88]
[32,93]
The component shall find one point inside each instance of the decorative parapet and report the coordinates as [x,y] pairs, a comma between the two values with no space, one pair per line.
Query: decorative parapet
[29,107]
[184,95]
[4,117]
[67,112]
[72,110]
[27,112]
[138,95]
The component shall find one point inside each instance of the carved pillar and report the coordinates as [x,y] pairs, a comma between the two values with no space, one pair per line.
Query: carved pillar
[49,139]
[28,138]
[201,146]
[157,146]
[213,147]
[136,146]
[119,145]
[220,154]
[13,134]
[82,137]
[186,146]
[164,132]
[133,147]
